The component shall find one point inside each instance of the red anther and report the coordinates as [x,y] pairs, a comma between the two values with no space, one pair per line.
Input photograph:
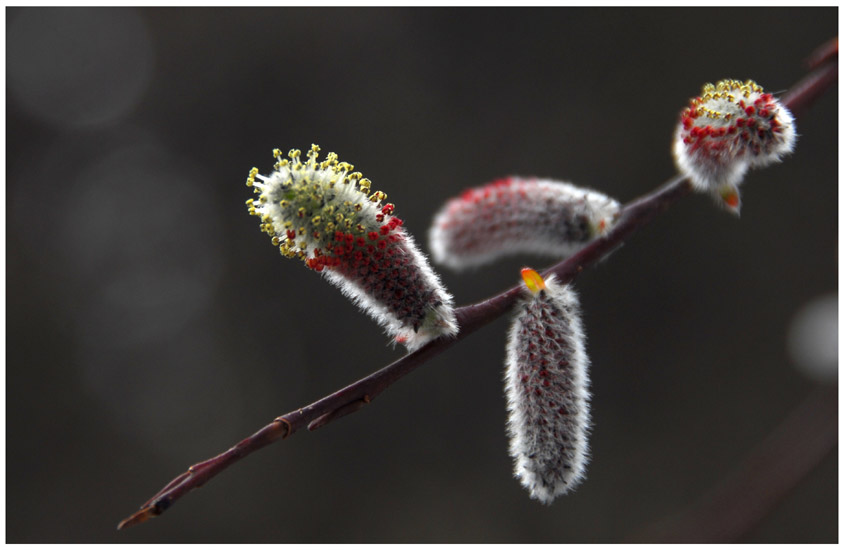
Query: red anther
[382,245]
[385,229]
[372,235]
[764,112]
[750,110]
[338,236]
[291,235]
[350,238]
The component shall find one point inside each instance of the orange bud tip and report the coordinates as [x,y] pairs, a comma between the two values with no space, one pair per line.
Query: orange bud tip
[533,280]
[730,198]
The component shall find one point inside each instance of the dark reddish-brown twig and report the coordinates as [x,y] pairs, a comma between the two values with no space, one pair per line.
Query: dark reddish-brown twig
[633,217]
[825,52]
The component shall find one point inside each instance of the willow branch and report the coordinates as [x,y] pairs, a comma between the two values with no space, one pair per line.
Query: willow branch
[634,216]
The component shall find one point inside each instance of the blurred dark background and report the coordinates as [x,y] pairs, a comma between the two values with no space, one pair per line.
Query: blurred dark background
[150,325]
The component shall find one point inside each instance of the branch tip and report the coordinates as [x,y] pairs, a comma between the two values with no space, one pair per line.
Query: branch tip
[140,516]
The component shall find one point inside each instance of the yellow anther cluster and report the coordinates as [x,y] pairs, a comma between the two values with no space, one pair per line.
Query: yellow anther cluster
[330,160]
[250,180]
[305,192]
[710,113]
[378,196]
[726,88]
[314,152]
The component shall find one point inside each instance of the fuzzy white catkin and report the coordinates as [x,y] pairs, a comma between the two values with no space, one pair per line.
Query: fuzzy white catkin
[518,215]
[547,388]
[324,214]
[731,127]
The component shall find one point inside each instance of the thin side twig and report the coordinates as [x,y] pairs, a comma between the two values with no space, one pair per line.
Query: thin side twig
[634,216]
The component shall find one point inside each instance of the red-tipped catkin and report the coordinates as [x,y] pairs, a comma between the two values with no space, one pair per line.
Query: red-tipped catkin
[518,215]
[731,127]
[326,215]
[547,388]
